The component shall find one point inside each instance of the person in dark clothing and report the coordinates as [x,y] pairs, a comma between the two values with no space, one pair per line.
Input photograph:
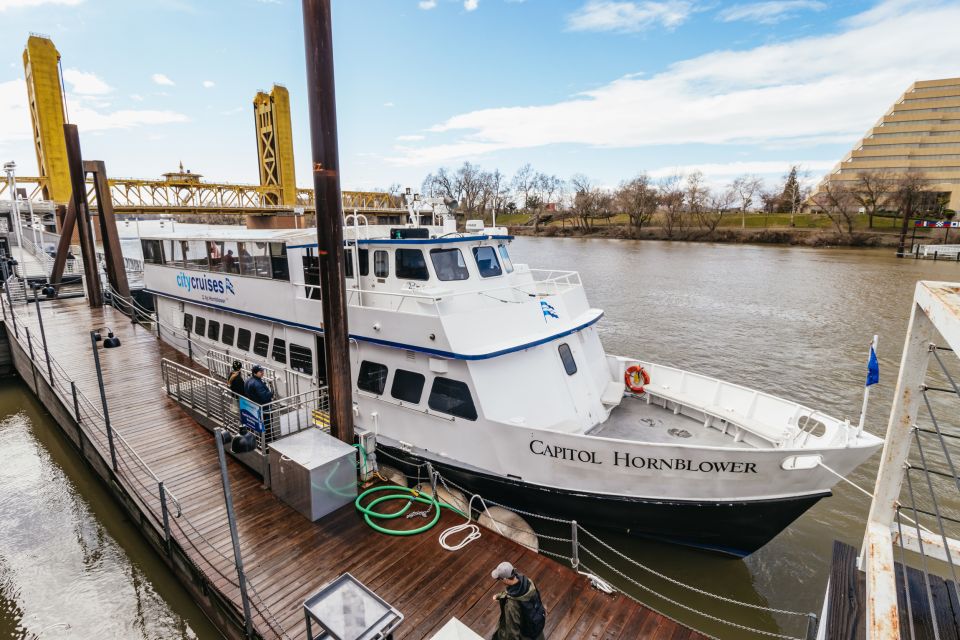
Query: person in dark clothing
[235,381]
[256,389]
[522,616]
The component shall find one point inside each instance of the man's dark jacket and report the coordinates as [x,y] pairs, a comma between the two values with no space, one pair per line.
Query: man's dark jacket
[511,613]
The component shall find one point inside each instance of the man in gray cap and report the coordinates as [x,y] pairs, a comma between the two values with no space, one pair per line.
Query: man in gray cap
[522,616]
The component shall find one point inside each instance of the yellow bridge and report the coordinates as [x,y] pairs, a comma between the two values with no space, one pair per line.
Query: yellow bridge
[135,196]
[277,196]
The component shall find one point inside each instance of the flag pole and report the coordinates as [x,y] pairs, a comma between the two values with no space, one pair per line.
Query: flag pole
[866,393]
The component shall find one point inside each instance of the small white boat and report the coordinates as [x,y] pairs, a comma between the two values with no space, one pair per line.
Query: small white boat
[495,373]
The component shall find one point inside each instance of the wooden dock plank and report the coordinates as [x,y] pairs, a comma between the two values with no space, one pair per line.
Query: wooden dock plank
[286,556]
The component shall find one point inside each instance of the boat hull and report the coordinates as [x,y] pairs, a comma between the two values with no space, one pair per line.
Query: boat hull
[733,528]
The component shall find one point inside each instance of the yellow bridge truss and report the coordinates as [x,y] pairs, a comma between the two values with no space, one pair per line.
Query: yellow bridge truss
[134,196]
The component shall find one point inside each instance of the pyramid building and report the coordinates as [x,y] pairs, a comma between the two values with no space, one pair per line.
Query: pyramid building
[920,132]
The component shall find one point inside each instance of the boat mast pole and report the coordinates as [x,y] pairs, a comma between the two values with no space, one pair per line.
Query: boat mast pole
[318,39]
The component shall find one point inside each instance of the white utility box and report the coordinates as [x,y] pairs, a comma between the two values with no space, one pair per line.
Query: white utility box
[313,472]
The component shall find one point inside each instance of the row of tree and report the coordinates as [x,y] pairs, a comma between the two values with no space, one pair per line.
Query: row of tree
[677,200]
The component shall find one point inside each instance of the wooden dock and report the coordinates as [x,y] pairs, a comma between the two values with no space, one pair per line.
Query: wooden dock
[847,604]
[286,556]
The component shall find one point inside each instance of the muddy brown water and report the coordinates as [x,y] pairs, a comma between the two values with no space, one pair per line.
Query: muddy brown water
[792,321]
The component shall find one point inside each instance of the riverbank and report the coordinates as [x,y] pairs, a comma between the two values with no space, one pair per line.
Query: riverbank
[783,236]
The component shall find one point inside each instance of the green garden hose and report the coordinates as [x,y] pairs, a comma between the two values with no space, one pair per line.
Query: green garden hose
[410,496]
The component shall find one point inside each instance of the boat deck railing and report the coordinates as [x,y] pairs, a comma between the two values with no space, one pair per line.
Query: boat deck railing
[914,516]
[426,300]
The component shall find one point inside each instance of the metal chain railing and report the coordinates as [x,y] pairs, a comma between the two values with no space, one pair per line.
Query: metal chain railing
[90,417]
[577,547]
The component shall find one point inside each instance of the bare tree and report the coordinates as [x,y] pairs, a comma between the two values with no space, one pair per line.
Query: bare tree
[719,203]
[524,183]
[838,202]
[908,191]
[746,187]
[696,195]
[872,191]
[671,201]
[638,199]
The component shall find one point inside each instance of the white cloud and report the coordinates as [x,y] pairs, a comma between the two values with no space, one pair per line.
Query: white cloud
[615,15]
[732,169]
[471,5]
[427,4]
[411,138]
[159,78]
[769,12]
[16,4]
[785,94]
[85,83]
[136,96]
[209,84]
[389,105]
[91,115]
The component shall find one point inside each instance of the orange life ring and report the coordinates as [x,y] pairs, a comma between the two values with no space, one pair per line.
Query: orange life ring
[633,376]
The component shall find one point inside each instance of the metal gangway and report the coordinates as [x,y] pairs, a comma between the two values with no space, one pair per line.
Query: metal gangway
[912,540]
[211,401]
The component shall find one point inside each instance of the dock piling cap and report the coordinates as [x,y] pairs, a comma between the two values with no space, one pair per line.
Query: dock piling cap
[503,571]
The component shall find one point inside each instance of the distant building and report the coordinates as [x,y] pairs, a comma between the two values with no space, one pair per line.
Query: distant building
[920,132]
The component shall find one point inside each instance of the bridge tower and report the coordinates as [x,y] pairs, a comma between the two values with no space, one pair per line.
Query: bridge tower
[271,112]
[41,65]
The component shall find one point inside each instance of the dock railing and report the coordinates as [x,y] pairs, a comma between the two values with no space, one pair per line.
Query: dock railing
[215,401]
[167,513]
[914,509]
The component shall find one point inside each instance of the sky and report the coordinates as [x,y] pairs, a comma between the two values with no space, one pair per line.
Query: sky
[605,88]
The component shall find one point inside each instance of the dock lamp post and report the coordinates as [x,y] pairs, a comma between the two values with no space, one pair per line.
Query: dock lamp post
[221,436]
[10,168]
[110,342]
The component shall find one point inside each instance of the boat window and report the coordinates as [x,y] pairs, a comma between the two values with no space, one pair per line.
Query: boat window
[215,253]
[256,263]
[364,256]
[505,258]
[188,321]
[449,264]
[231,257]
[280,350]
[226,337]
[311,275]
[195,254]
[348,263]
[173,252]
[411,265]
[486,259]
[407,386]
[301,359]
[372,377]
[569,364]
[381,263]
[261,344]
[243,339]
[278,261]
[453,398]
[213,330]
[199,326]
[152,251]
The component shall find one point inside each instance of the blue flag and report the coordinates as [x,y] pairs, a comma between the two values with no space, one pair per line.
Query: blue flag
[873,368]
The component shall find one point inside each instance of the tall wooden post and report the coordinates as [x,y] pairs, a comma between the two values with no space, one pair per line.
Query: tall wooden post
[88,244]
[116,272]
[318,37]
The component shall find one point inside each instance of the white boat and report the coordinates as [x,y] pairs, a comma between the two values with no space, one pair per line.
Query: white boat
[495,373]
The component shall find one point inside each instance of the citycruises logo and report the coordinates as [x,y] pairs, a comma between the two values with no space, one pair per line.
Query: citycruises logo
[205,283]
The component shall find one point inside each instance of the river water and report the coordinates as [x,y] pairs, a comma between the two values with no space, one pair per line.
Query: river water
[796,322]
[71,564]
